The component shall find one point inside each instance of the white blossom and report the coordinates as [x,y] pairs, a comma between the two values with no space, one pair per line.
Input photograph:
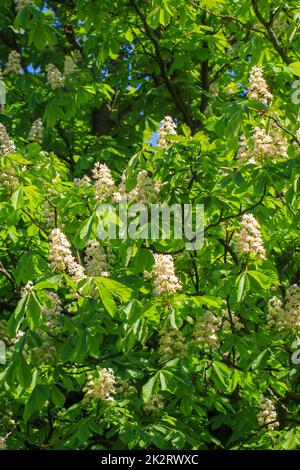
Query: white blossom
[258,89]
[265,145]
[27,289]
[104,183]
[146,189]
[54,77]
[84,182]
[69,66]
[13,65]
[23,3]
[3,445]
[267,415]
[98,259]
[165,280]
[243,155]
[167,128]
[249,239]
[269,145]
[101,387]
[171,344]
[36,131]
[18,336]
[285,315]
[52,312]
[61,256]
[206,328]
[156,403]
[6,144]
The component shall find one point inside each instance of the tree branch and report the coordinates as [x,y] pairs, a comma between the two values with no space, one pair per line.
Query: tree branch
[270,34]
[162,65]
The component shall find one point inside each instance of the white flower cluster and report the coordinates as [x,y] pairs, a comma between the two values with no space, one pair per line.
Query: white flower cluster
[121,194]
[98,259]
[69,66]
[52,313]
[206,329]
[244,151]
[61,256]
[36,131]
[8,179]
[13,65]
[167,128]
[165,280]
[292,304]
[285,316]
[6,144]
[84,182]
[271,145]
[54,77]
[104,183]
[156,403]
[145,191]
[258,89]
[23,3]
[18,336]
[267,415]
[266,145]
[101,387]
[249,239]
[27,288]
[3,445]
[171,344]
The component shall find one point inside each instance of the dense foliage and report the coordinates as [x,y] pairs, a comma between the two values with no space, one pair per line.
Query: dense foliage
[133,343]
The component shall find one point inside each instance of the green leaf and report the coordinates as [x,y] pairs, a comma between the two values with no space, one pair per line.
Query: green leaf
[16,318]
[129,35]
[261,359]
[33,311]
[260,278]
[294,67]
[57,396]
[117,289]
[37,399]
[222,374]
[24,374]
[85,232]
[106,297]
[17,198]
[241,287]
[149,387]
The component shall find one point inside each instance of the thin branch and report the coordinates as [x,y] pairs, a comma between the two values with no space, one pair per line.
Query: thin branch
[270,33]
[162,65]
[278,123]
